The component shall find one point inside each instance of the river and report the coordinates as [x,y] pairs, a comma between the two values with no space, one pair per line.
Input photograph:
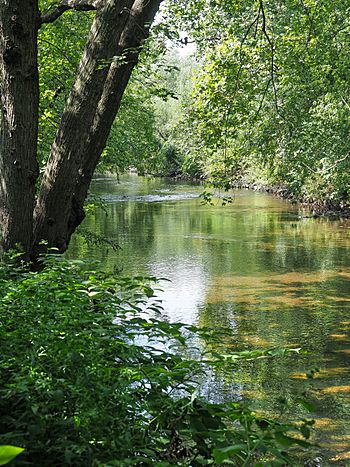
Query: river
[270,276]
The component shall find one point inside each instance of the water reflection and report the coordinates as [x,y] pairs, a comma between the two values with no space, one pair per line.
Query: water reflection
[257,268]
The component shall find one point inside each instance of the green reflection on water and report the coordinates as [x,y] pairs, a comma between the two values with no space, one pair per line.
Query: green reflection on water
[255,267]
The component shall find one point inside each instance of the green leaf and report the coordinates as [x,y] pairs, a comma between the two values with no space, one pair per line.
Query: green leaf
[305,431]
[288,441]
[8,453]
[307,405]
[220,455]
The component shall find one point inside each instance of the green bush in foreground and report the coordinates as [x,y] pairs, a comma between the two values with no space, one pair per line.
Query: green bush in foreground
[85,380]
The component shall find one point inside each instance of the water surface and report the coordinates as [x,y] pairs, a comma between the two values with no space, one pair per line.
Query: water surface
[256,267]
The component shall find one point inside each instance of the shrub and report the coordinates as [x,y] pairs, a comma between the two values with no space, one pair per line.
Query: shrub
[90,376]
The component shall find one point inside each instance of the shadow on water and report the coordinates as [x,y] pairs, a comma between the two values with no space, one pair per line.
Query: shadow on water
[255,267]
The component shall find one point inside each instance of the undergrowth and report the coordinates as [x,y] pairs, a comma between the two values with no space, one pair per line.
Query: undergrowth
[91,376]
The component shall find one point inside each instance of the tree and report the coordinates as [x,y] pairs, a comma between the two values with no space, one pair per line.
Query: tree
[270,101]
[112,49]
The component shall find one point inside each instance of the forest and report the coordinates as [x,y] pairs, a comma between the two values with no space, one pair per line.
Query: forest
[174,232]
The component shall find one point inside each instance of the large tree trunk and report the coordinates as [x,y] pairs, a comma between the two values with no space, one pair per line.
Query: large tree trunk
[135,33]
[103,74]
[55,199]
[19,87]
[112,50]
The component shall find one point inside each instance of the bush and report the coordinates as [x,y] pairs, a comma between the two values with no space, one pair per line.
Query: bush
[90,376]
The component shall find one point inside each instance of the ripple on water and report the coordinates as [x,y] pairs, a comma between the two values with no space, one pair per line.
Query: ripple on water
[151,198]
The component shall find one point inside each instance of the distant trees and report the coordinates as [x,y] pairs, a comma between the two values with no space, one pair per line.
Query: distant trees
[271,101]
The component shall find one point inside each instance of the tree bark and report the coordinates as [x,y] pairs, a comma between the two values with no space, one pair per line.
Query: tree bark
[55,199]
[65,5]
[111,53]
[135,33]
[19,87]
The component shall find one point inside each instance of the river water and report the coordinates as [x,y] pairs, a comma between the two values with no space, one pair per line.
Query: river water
[257,267]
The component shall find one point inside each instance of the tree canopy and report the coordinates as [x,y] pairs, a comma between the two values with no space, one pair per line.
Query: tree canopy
[270,101]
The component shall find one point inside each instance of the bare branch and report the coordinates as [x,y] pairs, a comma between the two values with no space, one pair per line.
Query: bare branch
[273,65]
[65,5]
[262,100]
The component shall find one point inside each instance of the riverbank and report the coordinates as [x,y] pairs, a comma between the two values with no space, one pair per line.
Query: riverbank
[315,208]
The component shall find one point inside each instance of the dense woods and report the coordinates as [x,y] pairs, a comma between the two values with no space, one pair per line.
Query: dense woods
[228,94]
[269,102]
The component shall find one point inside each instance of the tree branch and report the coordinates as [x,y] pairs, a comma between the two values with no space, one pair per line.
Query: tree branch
[65,5]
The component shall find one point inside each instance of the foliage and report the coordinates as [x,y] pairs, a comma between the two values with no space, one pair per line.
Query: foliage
[60,45]
[271,95]
[89,375]
[133,140]
[140,136]
[269,101]
[8,453]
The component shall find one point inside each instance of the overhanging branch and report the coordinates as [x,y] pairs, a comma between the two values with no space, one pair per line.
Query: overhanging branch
[65,5]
